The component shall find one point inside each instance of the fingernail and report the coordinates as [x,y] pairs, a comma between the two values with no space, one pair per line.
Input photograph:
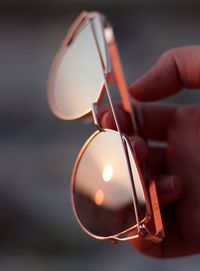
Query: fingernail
[104,119]
[107,121]
[166,184]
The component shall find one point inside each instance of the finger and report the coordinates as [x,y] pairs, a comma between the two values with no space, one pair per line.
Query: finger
[157,160]
[177,68]
[173,245]
[107,120]
[153,126]
[169,189]
[154,119]
[140,149]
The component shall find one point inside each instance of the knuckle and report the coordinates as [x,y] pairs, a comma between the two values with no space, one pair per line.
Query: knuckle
[169,54]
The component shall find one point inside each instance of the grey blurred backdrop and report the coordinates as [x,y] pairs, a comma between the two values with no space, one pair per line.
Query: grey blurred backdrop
[37,227]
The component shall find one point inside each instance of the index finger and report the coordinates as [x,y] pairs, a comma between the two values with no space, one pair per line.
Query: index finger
[177,68]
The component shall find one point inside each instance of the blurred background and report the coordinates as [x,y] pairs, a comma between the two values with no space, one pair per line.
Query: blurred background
[37,228]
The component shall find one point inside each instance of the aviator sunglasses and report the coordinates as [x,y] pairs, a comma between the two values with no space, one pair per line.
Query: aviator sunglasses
[112,198]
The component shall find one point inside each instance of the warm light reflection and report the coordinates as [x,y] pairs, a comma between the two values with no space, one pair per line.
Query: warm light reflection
[99,197]
[107,173]
[109,35]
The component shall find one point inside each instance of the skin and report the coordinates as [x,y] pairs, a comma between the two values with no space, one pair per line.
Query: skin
[177,166]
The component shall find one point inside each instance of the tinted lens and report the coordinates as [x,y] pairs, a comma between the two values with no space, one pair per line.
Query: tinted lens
[77,77]
[102,190]
[99,34]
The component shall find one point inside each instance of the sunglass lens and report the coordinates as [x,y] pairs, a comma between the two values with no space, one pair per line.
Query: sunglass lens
[102,190]
[77,77]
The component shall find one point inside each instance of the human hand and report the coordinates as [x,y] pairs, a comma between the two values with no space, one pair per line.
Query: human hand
[177,167]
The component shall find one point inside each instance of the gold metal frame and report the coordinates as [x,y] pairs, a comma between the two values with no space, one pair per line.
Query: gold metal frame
[151,227]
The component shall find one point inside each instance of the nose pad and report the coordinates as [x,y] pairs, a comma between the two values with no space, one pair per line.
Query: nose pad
[95,116]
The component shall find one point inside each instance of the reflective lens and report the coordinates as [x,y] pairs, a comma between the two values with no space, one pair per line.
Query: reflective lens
[77,77]
[99,34]
[102,189]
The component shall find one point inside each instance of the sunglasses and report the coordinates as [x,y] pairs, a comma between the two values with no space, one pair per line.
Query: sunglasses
[111,197]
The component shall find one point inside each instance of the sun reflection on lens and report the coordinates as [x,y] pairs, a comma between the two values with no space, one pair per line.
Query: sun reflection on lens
[99,197]
[107,173]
